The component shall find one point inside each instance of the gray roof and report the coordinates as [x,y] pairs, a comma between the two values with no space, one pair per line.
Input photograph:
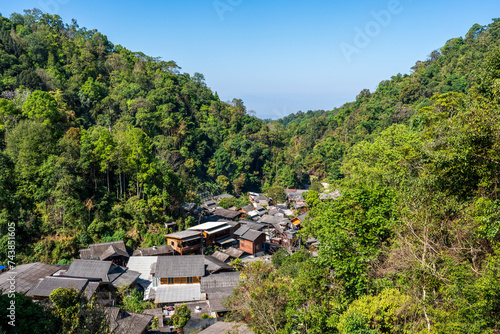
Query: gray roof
[91,269]
[217,297]
[257,226]
[234,252]
[221,256]
[124,322]
[242,230]
[247,208]
[121,276]
[46,285]
[184,234]
[180,266]
[27,275]
[104,251]
[251,235]
[154,251]
[177,293]
[271,219]
[220,280]
[221,327]
[213,264]
[229,214]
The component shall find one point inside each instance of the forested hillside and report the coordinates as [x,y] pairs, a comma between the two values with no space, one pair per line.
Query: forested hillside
[99,143]
[412,244]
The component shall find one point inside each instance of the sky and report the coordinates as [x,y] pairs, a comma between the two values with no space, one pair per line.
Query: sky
[278,56]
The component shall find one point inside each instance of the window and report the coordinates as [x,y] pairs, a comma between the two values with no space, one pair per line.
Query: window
[189,280]
[170,280]
[257,247]
[171,243]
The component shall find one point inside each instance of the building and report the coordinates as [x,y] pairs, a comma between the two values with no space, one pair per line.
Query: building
[213,231]
[108,251]
[154,251]
[227,214]
[185,242]
[44,287]
[172,270]
[251,241]
[177,279]
[26,276]
[125,322]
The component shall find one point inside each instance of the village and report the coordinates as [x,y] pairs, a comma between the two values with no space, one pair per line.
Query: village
[180,271]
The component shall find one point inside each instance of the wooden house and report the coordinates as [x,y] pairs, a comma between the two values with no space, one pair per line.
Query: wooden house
[250,241]
[213,231]
[107,251]
[185,242]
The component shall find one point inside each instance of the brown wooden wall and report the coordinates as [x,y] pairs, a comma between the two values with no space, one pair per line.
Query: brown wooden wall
[179,280]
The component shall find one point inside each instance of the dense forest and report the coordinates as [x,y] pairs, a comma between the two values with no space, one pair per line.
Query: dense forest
[99,143]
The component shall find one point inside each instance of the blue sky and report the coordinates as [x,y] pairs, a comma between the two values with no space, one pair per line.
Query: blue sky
[279,56]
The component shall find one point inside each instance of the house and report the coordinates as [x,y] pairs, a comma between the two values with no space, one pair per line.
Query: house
[221,327]
[185,242]
[222,196]
[44,287]
[213,265]
[333,195]
[177,278]
[295,195]
[209,205]
[234,253]
[251,241]
[227,214]
[108,251]
[221,256]
[213,231]
[145,266]
[297,221]
[246,208]
[27,275]
[154,251]
[172,270]
[217,288]
[125,322]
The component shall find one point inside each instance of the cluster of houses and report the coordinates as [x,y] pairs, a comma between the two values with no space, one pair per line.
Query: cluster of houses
[177,272]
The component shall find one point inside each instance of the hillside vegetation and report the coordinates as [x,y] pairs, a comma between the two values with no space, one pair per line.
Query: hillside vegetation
[99,143]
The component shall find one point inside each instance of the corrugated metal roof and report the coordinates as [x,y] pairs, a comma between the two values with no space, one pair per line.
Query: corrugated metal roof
[251,235]
[91,269]
[220,280]
[207,226]
[221,256]
[26,275]
[154,251]
[180,266]
[48,284]
[234,252]
[184,234]
[213,264]
[142,264]
[178,293]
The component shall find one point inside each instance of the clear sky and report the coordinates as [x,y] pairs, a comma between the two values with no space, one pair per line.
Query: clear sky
[279,56]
